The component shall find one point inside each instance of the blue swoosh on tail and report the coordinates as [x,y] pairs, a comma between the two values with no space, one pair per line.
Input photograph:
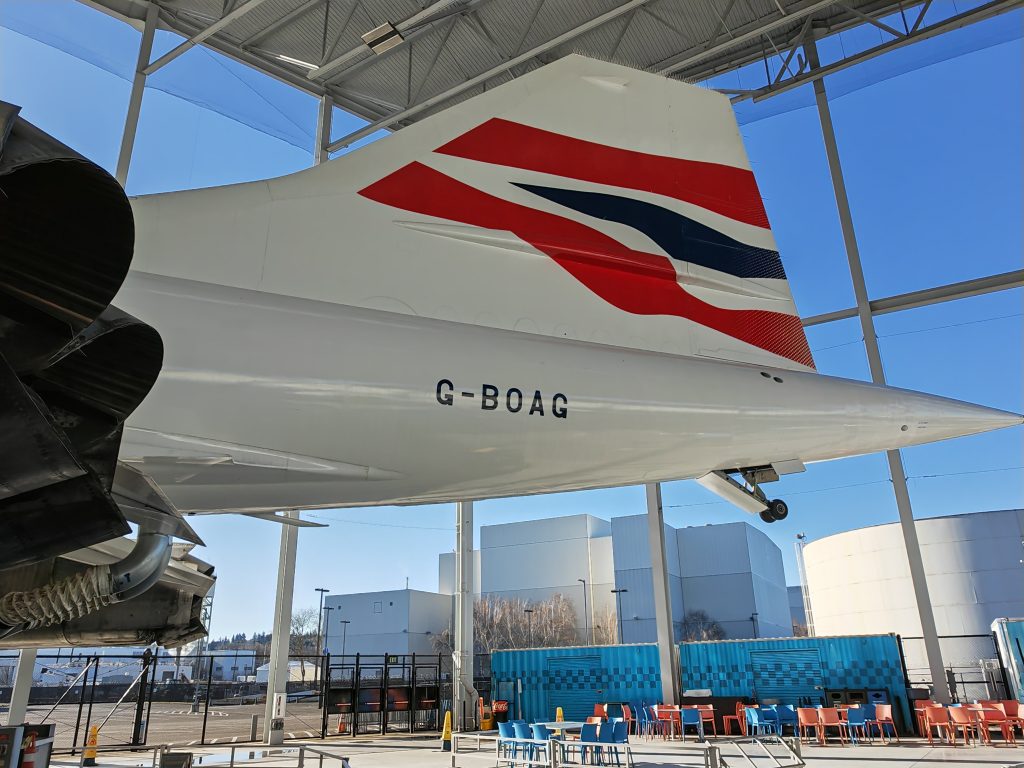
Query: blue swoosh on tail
[680,237]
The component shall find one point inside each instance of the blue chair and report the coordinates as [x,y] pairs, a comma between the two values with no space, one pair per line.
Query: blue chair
[787,716]
[691,717]
[588,740]
[606,735]
[507,748]
[540,733]
[643,720]
[856,719]
[758,725]
[523,732]
[621,732]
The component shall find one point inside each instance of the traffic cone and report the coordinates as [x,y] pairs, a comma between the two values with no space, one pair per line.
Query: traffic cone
[446,734]
[341,724]
[559,718]
[93,741]
[28,751]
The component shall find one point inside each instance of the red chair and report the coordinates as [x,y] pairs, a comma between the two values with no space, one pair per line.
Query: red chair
[960,720]
[601,710]
[829,718]
[992,717]
[883,717]
[739,718]
[807,718]
[919,708]
[707,715]
[937,718]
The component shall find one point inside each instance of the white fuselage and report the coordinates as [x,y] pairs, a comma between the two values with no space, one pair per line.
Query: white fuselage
[287,403]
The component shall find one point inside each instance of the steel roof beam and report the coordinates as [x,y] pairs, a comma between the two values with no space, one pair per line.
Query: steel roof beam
[276,25]
[681,61]
[927,297]
[384,122]
[193,41]
[403,26]
[964,19]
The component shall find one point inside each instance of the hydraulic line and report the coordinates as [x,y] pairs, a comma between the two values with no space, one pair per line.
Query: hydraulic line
[96,587]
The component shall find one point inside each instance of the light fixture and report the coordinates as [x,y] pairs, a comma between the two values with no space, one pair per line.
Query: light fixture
[298,62]
[383,38]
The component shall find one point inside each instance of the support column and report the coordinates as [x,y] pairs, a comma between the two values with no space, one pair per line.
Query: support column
[323,129]
[131,121]
[867,324]
[22,686]
[667,654]
[277,680]
[463,692]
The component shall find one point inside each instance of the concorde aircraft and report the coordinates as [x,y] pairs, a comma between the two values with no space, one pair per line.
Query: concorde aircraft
[566,282]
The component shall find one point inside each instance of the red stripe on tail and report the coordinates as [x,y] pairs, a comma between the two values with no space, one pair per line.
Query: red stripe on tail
[719,188]
[634,281]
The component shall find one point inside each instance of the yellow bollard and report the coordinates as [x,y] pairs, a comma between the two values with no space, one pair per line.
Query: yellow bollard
[93,741]
[446,735]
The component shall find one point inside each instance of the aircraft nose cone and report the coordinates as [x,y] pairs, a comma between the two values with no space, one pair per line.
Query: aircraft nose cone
[939,418]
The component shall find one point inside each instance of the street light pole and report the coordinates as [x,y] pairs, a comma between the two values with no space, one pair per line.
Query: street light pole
[618,608]
[320,616]
[529,618]
[753,620]
[586,616]
[327,625]
[344,635]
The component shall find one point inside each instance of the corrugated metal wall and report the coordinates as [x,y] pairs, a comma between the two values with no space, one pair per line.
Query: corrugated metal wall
[790,668]
[1010,638]
[785,669]
[576,678]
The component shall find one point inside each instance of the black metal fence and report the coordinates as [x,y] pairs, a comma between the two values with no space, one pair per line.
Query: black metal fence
[973,668]
[220,698]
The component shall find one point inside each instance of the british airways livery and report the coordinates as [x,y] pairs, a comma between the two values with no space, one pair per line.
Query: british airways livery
[567,282]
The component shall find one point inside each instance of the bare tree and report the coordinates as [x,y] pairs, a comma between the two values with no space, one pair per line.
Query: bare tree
[698,625]
[800,630]
[500,623]
[606,627]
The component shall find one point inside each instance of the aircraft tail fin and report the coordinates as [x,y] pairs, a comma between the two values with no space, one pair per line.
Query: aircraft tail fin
[636,186]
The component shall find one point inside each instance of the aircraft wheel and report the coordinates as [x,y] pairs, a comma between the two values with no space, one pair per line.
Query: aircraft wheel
[778,509]
[766,515]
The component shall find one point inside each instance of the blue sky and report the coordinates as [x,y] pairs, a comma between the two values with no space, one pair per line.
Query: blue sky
[933,166]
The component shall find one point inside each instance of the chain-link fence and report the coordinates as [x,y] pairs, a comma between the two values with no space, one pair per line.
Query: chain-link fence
[220,698]
[974,670]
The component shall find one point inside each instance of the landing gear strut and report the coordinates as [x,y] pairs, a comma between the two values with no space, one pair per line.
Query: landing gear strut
[747,495]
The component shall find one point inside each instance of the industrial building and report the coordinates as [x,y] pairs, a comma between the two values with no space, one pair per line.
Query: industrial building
[731,572]
[859,581]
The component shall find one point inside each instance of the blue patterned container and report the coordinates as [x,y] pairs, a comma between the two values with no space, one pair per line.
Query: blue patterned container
[537,681]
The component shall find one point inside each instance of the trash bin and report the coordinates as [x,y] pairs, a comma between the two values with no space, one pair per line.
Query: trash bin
[176,760]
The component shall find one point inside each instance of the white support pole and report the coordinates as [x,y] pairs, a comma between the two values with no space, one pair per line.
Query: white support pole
[463,692]
[277,680]
[323,129]
[667,654]
[899,479]
[131,121]
[22,687]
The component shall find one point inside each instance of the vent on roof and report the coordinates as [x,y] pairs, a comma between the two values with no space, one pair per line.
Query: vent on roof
[383,38]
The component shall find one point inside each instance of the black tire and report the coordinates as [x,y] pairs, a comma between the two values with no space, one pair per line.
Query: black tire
[778,509]
[766,515]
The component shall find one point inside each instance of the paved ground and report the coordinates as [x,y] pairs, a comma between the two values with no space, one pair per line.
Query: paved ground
[174,722]
[403,752]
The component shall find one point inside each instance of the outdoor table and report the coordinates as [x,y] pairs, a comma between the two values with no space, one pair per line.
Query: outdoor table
[563,725]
